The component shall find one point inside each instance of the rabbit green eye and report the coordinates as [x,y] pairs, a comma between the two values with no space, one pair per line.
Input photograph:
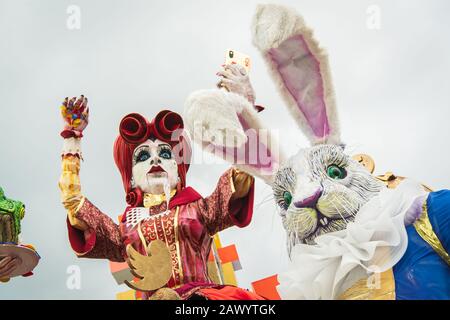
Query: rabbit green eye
[287,197]
[336,172]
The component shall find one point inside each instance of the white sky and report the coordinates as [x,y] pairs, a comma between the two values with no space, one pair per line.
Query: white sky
[143,56]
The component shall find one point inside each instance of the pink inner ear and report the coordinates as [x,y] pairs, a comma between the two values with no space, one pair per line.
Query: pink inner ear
[300,72]
[254,153]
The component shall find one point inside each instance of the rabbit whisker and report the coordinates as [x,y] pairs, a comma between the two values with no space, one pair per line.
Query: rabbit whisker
[338,211]
[263,202]
[354,208]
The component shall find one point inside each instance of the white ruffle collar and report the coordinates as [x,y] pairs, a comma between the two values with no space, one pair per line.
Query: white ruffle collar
[374,242]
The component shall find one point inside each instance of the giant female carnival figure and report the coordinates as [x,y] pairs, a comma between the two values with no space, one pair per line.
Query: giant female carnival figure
[166,230]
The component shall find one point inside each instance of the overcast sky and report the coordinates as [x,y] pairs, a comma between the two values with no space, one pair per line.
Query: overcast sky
[142,56]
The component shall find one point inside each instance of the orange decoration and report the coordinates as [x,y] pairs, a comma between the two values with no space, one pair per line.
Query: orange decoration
[267,287]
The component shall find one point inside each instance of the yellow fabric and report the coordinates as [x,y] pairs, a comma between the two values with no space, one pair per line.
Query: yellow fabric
[213,272]
[70,186]
[229,276]
[425,230]
[377,287]
[126,295]
[217,241]
[151,200]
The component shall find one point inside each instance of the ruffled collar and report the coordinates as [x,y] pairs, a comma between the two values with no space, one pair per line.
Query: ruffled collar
[373,243]
[135,215]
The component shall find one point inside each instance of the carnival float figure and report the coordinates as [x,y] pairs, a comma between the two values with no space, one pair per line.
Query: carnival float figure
[350,234]
[16,259]
[166,230]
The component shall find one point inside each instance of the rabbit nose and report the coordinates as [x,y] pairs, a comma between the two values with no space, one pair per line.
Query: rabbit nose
[309,202]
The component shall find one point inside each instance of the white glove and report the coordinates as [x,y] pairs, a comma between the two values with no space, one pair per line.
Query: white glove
[235,79]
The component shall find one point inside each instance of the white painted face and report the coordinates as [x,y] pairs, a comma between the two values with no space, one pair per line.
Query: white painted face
[154,167]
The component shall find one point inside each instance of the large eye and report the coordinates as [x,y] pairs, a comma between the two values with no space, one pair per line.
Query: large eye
[287,197]
[336,172]
[165,153]
[143,156]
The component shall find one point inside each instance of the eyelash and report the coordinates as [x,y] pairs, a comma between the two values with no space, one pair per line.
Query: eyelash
[286,181]
[141,154]
[337,160]
[162,153]
[165,150]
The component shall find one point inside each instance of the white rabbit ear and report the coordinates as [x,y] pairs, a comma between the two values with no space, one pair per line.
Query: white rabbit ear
[301,70]
[227,125]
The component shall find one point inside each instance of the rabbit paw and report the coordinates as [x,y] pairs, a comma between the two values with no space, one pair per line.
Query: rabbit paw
[212,117]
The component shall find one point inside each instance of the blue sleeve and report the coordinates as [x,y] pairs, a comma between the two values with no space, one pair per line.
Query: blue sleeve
[438,205]
[421,273]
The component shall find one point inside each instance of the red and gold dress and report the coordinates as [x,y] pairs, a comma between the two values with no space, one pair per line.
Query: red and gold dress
[187,228]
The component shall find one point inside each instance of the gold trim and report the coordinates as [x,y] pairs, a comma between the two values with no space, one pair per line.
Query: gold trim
[362,290]
[366,161]
[167,243]
[141,236]
[425,230]
[162,227]
[83,199]
[177,244]
[234,171]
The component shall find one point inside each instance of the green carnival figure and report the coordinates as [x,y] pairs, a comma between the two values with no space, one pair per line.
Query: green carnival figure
[15,259]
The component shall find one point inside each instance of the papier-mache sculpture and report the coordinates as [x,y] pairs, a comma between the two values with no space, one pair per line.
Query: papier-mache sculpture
[350,234]
[16,258]
[165,233]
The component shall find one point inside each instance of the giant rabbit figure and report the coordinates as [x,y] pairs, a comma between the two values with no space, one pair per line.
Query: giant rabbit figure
[349,236]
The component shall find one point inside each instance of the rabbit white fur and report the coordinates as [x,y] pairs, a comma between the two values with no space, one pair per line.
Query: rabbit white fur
[320,204]
[222,122]
[218,122]
[272,25]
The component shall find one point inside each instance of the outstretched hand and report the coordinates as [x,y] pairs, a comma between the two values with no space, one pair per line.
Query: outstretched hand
[234,78]
[242,184]
[7,267]
[75,113]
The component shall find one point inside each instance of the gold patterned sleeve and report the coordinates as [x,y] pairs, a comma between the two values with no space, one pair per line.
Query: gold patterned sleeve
[242,183]
[231,203]
[92,234]
[69,182]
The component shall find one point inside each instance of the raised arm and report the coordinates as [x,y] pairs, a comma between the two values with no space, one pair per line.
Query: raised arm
[75,114]
[92,234]
[234,78]
[231,203]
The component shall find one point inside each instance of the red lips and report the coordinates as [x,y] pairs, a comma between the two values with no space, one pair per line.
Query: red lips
[156,169]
